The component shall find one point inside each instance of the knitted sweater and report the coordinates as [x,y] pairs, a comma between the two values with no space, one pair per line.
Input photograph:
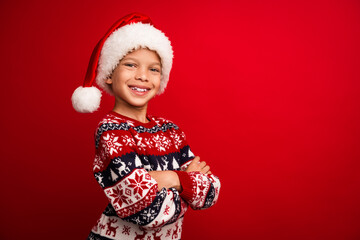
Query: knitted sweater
[125,151]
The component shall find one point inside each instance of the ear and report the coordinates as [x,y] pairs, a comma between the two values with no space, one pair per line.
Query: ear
[108,81]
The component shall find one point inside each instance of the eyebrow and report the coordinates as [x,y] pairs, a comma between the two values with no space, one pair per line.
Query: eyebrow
[134,59]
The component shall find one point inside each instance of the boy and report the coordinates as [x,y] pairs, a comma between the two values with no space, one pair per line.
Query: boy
[142,162]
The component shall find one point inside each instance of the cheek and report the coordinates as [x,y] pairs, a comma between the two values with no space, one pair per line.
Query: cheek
[157,82]
[121,79]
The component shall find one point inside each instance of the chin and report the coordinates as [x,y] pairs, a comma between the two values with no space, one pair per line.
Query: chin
[138,102]
[138,105]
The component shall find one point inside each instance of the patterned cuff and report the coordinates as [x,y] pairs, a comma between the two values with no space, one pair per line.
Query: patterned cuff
[187,185]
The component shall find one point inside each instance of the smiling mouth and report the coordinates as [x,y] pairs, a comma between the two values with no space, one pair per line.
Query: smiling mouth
[139,89]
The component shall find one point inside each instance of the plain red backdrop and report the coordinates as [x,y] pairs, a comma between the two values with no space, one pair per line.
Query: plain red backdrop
[268,93]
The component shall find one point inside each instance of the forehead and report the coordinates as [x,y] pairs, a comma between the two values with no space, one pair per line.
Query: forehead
[143,54]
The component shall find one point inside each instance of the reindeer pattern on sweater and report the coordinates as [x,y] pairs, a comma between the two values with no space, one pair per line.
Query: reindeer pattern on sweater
[125,151]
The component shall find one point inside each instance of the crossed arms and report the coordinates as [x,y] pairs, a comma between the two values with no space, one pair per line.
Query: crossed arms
[148,198]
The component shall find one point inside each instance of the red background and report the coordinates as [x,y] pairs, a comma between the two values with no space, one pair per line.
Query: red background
[268,93]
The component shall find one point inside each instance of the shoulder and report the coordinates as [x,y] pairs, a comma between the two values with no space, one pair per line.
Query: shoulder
[168,125]
[111,123]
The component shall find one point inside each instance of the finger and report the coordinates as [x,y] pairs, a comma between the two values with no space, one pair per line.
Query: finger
[196,159]
[209,172]
[202,164]
[194,162]
[194,165]
[205,170]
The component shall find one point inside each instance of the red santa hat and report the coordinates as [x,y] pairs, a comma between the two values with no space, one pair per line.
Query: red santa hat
[129,33]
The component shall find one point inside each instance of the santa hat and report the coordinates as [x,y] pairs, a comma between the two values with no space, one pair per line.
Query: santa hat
[129,33]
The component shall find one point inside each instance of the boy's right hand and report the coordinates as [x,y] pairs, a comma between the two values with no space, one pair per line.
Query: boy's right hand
[197,166]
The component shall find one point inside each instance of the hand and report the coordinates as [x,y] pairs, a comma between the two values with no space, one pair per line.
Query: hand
[197,166]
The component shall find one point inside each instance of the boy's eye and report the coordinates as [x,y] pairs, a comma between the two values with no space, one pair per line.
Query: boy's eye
[154,69]
[129,64]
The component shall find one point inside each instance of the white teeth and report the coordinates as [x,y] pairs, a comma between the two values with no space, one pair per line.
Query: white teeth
[139,89]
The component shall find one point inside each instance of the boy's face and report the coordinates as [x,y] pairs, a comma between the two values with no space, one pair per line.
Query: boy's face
[136,79]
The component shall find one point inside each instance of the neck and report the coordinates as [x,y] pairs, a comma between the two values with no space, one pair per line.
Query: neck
[136,113]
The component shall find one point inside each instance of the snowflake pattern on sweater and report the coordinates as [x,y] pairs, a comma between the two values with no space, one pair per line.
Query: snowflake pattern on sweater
[125,151]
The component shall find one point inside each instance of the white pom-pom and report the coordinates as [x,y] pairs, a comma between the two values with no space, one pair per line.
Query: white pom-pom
[86,99]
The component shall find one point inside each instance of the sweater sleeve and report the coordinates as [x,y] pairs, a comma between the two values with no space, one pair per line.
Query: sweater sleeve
[200,191]
[131,191]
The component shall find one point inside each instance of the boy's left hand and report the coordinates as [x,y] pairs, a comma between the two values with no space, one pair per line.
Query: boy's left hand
[197,166]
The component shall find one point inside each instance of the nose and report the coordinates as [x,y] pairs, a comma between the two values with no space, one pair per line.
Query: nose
[141,74]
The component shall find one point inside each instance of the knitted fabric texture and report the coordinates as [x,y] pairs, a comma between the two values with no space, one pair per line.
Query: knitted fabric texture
[125,151]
